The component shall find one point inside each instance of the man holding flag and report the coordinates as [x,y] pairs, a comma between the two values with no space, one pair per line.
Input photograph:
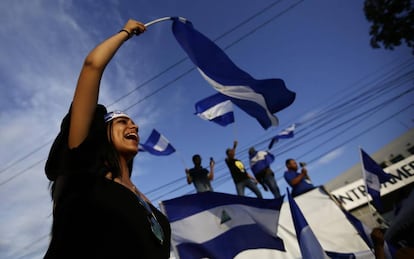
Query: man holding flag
[200,176]
[260,164]
[241,178]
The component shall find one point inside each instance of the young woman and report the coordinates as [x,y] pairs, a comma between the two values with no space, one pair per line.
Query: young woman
[98,212]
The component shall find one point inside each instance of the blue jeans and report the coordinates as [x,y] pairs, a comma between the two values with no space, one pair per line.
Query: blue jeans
[249,184]
[202,187]
[270,182]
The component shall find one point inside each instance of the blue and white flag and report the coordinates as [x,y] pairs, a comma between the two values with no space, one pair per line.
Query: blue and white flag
[217,108]
[260,160]
[365,232]
[286,133]
[218,225]
[374,176]
[308,243]
[258,98]
[157,145]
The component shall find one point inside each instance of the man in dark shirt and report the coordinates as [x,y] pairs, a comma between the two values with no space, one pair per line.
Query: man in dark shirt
[200,176]
[239,174]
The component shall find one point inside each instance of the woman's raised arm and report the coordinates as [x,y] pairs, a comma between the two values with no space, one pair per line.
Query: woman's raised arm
[87,90]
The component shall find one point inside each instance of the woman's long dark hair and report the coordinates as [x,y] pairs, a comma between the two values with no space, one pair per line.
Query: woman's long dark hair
[107,157]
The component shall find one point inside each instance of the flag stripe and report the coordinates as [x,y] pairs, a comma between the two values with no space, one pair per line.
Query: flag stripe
[157,144]
[373,176]
[260,161]
[372,180]
[208,200]
[217,110]
[212,227]
[162,144]
[286,133]
[246,93]
[308,243]
[225,119]
[371,166]
[231,243]
[220,225]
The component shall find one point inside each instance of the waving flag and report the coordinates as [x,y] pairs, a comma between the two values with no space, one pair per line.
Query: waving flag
[259,160]
[258,98]
[308,243]
[374,176]
[217,108]
[218,225]
[157,145]
[286,133]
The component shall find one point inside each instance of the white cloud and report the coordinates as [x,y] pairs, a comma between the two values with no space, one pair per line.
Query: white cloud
[43,47]
[329,157]
[309,116]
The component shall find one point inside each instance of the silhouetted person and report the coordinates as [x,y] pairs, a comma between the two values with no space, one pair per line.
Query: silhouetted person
[200,176]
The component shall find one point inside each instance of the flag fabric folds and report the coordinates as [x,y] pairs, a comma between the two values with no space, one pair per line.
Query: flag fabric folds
[286,133]
[258,98]
[260,160]
[219,225]
[308,243]
[216,108]
[374,176]
[157,145]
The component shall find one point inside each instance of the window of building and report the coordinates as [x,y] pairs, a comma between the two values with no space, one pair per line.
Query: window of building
[396,158]
[384,164]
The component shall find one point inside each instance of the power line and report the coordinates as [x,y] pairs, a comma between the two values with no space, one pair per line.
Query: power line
[362,115]
[321,124]
[24,157]
[245,21]
[228,176]
[146,97]
[22,172]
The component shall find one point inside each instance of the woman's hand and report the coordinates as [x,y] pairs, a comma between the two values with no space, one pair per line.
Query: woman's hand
[134,27]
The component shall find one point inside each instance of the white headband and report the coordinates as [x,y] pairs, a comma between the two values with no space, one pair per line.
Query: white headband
[114,114]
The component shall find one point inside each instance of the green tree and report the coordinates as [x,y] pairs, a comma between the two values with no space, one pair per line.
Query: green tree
[392,22]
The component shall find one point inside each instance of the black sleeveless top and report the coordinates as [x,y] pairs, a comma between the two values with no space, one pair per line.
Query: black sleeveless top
[96,217]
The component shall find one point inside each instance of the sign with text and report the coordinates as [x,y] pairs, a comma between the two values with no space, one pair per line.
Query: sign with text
[354,194]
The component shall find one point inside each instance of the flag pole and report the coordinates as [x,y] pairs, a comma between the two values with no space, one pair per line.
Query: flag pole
[234,131]
[164,19]
[181,158]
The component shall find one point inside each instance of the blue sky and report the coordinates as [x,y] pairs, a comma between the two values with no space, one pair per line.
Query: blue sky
[319,48]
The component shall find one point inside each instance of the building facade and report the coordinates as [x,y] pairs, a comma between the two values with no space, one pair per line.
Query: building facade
[397,159]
